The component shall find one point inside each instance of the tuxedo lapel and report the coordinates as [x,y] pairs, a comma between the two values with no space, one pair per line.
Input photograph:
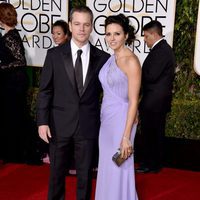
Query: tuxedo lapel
[91,68]
[68,64]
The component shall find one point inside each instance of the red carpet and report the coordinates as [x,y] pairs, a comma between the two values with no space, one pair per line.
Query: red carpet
[25,182]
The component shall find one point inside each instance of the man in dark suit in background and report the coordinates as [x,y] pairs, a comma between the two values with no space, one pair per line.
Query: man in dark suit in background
[157,82]
[68,105]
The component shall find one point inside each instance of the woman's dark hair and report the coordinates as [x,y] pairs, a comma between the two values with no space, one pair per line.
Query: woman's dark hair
[64,25]
[8,14]
[124,22]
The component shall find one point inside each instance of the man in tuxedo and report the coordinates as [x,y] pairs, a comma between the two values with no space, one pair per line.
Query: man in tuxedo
[157,82]
[68,105]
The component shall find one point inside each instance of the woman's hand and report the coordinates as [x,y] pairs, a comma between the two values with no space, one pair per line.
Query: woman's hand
[126,147]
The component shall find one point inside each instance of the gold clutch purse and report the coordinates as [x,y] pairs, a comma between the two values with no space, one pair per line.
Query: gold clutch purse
[117,158]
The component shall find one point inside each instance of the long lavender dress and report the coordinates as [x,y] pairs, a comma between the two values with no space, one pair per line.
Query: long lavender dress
[113,182]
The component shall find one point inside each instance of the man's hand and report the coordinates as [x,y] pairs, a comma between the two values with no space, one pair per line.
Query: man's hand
[44,132]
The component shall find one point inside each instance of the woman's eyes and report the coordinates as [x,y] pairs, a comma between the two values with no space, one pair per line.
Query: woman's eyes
[109,34]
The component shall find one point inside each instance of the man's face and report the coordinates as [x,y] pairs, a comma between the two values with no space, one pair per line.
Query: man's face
[81,27]
[149,38]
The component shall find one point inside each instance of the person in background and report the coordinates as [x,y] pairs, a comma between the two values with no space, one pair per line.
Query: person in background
[60,34]
[120,78]
[13,89]
[157,81]
[68,105]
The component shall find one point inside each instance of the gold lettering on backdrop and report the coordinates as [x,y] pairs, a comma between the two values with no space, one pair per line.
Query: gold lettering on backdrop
[35,19]
[139,13]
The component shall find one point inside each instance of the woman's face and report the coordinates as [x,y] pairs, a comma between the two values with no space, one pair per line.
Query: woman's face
[58,35]
[115,36]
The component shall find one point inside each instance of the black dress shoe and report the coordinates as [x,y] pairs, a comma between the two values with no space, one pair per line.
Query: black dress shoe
[147,170]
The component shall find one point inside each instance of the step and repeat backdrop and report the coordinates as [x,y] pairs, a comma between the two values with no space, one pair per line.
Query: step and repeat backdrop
[139,12]
[35,19]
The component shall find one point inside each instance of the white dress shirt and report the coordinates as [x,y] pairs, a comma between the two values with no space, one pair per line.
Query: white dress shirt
[85,56]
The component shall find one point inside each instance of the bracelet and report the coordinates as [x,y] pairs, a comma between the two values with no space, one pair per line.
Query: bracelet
[127,139]
[124,137]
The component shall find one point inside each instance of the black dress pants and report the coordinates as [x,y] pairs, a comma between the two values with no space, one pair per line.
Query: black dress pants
[59,158]
[152,136]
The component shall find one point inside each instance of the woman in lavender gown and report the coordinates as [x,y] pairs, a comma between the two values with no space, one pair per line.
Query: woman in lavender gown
[120,78]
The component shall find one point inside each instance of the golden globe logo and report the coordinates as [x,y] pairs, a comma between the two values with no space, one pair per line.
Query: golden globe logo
[139,12]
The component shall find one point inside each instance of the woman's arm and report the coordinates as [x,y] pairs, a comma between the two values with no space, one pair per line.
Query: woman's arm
[132,69]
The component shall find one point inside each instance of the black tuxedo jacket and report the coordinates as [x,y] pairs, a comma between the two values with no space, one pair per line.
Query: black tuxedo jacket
[59,104]
[157,79]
